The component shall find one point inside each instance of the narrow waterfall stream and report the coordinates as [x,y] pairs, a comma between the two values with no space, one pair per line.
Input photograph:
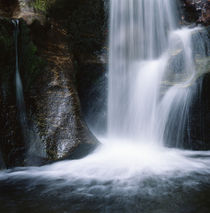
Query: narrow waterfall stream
[152,81]
[33,146]
[19,86]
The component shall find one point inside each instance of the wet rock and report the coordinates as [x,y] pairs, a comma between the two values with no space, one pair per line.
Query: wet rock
[200,53]
[197,11]
[56,129]
[18,9]
[56,104]
[92,86]
[27,12]
[199,124]
[200,111]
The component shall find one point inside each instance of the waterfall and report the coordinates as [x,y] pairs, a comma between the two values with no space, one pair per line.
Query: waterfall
[18,82]
[152,82]
[148,101]
[19,91]
[35,149]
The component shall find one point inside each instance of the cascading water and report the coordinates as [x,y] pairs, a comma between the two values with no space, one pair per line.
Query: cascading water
[151,84]
[143,39]
[18,82]
[34,147]
[151,70]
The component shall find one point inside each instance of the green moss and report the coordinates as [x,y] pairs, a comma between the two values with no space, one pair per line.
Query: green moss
[41,5]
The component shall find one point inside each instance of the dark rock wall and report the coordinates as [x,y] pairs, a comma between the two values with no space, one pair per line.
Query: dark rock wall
[91,60]
[199,121]
[86,23]
[56,105]
[200,111]
[197,11]
[47,68]
[7,7]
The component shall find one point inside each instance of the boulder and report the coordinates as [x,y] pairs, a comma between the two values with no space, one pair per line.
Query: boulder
[56,129]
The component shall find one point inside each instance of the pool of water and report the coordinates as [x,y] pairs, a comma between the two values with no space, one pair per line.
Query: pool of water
[112,180]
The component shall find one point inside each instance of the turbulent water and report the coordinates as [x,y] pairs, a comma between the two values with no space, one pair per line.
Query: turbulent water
[151,85]
[148,99]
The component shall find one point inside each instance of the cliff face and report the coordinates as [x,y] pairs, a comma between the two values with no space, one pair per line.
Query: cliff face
[86,23]
[55,128]
[56,106]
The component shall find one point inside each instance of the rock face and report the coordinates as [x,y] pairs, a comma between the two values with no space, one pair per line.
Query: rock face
[196,11]
[56,129]
[56,103]
[197,132]
[92,89]
[200,117]
[90,52]
[200,111]
[7,8]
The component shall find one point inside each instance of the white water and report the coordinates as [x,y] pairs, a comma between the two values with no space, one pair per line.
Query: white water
[144,39]
[148,103]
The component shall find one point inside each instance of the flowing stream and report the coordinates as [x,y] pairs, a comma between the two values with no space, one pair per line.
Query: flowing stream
[18,82]
[151,85]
